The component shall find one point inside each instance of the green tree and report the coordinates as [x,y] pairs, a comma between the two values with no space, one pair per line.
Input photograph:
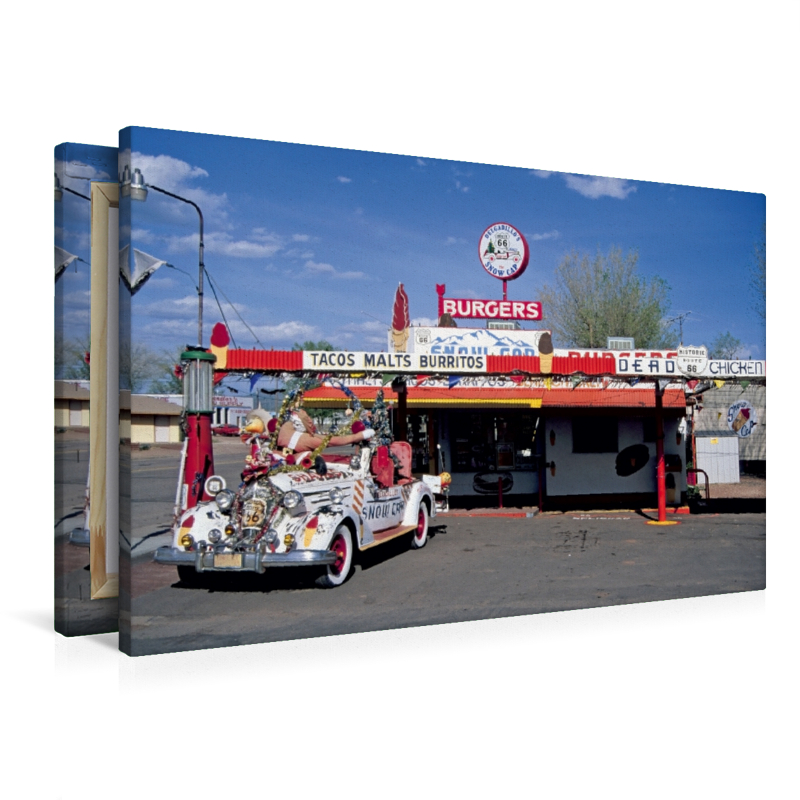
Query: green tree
[725,347]
[138,367]
[309,345]
[166,381]
[594,298]
[758,275]
[70,358]
[319,415]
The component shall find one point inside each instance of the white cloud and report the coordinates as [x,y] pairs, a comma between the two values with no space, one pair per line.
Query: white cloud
[465,294]
[76,175]
[538,237]
[370,326]
[77,299]
[593,188]
[350,275]
[461,188]
[221,243]
[144,236]
[282,332]
[75,317]
[455,240]
[165,171]
[178,177]
[161,282]
[421,162]
[423,322]
[301,237]
[321,268]
[183,308]
[342,179]
[541,173]
[364,334]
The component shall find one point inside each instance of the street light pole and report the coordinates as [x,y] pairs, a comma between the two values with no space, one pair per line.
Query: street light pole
[135,186]
[59,189]
[202,266]
[198,372]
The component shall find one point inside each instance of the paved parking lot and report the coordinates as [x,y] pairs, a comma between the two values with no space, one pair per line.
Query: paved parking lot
[472,568]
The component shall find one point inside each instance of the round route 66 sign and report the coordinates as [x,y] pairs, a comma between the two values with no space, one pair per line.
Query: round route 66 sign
[692,360]
[503,251]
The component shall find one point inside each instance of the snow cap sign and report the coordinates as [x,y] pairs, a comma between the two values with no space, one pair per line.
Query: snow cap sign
[503,251]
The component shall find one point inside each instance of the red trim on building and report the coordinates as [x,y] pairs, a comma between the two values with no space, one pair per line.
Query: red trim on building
[265,360]
[562,365]
[610,398]
[551,398]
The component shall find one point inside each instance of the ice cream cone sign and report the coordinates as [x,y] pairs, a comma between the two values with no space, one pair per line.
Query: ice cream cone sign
[545,353]
[400,320]
[219,345]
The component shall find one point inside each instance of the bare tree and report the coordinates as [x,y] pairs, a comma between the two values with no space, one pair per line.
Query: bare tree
[725,347]
[594,298]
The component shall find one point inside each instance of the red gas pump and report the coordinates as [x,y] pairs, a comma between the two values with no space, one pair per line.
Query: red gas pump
[198,405]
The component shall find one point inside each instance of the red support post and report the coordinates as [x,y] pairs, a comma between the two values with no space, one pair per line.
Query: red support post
[660,466]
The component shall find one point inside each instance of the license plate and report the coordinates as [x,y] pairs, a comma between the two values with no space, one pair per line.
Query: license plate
[228,560]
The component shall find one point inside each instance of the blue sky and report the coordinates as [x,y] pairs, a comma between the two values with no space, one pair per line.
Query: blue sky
[77,165]
[311,242]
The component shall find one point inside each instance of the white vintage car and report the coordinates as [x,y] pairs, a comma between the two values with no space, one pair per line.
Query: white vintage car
[301,518]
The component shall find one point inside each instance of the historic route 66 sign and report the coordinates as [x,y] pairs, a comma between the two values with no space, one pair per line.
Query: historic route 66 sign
[503,251]
[692,361]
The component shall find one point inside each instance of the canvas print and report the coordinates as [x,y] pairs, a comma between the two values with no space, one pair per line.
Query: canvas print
[370,391]
[85,444]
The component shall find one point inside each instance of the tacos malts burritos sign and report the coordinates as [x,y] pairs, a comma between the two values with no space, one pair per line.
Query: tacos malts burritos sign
[345,361]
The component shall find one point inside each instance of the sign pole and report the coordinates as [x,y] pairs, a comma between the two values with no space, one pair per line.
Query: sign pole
[505,290]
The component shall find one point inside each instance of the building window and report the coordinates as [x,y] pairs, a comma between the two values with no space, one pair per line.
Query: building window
[594,435]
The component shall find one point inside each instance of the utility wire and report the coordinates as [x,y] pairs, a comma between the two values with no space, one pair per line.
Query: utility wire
[219,306]
[235,311]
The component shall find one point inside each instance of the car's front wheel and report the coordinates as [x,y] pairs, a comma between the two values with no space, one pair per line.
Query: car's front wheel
[338,572]
[420,536]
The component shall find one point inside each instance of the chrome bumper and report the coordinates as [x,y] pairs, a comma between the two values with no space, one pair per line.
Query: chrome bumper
[203,560]
[79,537]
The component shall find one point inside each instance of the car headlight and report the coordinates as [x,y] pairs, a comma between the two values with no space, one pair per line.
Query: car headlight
[215,484]
[224,500]
[186,541]
[292,500]
[214,535]
[336,495]
[355,462]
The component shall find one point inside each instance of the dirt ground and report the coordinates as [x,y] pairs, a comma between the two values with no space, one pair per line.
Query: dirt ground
[748,486]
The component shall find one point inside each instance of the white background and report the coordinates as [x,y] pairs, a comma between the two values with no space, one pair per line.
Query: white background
[681,699]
